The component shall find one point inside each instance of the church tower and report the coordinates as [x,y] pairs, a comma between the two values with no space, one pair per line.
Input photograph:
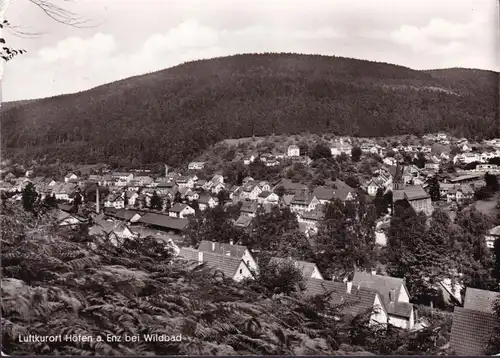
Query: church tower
[398,182]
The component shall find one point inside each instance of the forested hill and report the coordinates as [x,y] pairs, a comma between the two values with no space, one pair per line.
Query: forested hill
[173,114]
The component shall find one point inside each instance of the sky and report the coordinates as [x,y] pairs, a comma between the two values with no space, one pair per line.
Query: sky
[124,38]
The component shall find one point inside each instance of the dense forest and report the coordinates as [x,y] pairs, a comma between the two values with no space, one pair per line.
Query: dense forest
[171,115]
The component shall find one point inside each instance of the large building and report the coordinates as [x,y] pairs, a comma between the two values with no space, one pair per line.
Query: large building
[415,195]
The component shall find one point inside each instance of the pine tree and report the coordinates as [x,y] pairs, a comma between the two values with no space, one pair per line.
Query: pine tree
[434,190]
[29,197]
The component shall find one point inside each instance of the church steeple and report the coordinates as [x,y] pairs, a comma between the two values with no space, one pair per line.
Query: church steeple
[398,183]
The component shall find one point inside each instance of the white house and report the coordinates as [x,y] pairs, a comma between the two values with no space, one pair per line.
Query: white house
[340,147]
[267,197]
[237,251]
[250,191]
[293,150]
[185,182]
[308,269]
[196,166]
[249,159]
[206,201]
[492,236]
[114,201]
[226,265]
[70,176]
[394,294]
[301,203]
[181,211]
[354,300]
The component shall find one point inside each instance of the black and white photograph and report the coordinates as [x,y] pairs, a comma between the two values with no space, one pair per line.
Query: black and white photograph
[249,177]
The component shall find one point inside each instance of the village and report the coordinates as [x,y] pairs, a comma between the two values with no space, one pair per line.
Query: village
[142,204]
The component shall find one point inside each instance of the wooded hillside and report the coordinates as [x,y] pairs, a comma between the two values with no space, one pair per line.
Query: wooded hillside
[171,115]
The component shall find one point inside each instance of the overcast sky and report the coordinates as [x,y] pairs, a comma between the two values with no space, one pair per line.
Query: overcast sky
[137,36]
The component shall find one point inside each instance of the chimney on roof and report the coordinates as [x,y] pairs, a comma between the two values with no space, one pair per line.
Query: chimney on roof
[349,286]
[231,242]
[392,295]
[213,245]
[166,170]
[200,256]
[374,272]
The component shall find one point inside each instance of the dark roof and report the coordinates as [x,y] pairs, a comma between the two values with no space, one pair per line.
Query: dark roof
[265,194]
[249,207]
[307,268]
[357,302]
[471,332]
[178,207]
[480,300]
[244,221]
[323,193]
[401,309]
[204,198]
[383,284]
[227,264]
[164,221]
[125,214]
[313,215]
[222,248]
[188,253]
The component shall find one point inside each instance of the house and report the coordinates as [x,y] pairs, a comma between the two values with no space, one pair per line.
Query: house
[460,193]
[65,219]
[70,176]
[466,179]
[474,324]
[114,231]
[303,202]
[123,176]
[217,188]
[163,222]
[372,186]
[249,208]
[62,191]
[196,166]
[249,159]
[340,147]
[391,161]
[308,269]
[250,191]
[465,147]
[114,201]
[415,195]
[231,267]
[206,201]
[237,251]
[185,182]
[311,221]
[181,211]
[126,215]
[354,301]
[143,180]
[244,221]
[492,236]
[192,195]
[340,190]
[267,197]
[293,151]
[165,186]
[394,294]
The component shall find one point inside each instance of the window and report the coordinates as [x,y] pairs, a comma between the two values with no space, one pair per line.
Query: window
[241,271]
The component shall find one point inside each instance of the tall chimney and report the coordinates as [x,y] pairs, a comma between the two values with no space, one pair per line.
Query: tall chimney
[200,256]
[349,286]
[392,294]
[166,170]
[213,245]
[97,200]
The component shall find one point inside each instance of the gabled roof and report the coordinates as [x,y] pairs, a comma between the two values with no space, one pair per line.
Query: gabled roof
[222,248]
[164,221]
[264,194]
[287,199]
[101,227]
[249,207]
[383,284]
[480,300]
[178,207]
[495,231]
[125,214]
[188,253]
[227,264]
[313,215]
[306,268]
[471,331]
[243,221]
[204,198]
[357,302]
